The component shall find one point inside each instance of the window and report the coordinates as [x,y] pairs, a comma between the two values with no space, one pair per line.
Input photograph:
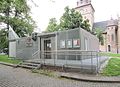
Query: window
[109,48]
[69,43]
[77,3]
[81,1]
[62,44]
[86,1]
[108,37]
[111,27]
[112,37]
[76,43]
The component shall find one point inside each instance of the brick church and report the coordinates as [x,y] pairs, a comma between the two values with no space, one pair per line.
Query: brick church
[110,27]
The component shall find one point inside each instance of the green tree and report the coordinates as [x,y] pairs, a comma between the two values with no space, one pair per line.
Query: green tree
[69,20]
[16,14]
[99,35]
[85,25]
[52,26]
[72,19]
[3,39]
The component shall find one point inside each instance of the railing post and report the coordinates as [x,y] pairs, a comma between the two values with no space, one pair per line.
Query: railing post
[76,56]
[98,66]
[81,60]
[44,53]
[54,53]
[91,62]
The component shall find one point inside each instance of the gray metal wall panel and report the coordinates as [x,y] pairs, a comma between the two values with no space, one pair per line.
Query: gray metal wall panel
[68,35]
[24,52]
[53,45]
[27,52]
[93,42]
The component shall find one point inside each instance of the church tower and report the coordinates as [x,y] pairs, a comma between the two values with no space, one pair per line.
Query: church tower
[87,11]
[112,36]
[118,33]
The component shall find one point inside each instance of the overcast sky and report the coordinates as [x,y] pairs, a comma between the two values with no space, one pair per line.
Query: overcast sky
[104,10]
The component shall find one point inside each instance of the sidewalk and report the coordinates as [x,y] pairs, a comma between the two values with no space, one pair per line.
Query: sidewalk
[82,77]
[91,78]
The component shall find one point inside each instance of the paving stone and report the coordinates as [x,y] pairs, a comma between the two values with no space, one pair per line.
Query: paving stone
[18,77]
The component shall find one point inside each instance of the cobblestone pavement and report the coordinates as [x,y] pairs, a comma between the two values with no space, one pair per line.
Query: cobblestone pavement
[18,77]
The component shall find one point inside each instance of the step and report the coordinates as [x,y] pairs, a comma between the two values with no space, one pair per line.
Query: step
[35,62]
[28,67]
[30,64]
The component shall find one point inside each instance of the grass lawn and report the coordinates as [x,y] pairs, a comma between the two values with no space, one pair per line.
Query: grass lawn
[113,67]
[46,72]
[109,54]
[4,58]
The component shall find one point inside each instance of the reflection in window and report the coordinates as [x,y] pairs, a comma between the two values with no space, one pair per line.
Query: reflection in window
[69,43]
[62,44]
[76,43]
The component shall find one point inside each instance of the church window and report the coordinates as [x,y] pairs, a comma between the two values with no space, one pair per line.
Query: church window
[86,1]
[109,48]
[81,1]
[111,27]
[108,37]
[112,37]
[77,3]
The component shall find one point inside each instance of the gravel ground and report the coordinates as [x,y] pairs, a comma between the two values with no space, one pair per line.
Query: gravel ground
[18,77]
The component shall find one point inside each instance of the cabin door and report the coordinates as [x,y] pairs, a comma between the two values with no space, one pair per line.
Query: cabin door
[47,49]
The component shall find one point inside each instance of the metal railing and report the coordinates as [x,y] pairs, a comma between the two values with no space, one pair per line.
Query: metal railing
[36,54]
[80,60]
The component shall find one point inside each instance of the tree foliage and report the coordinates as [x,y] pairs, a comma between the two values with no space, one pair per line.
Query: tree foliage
[69,20]
[52,26]
[99,35]
[16,14]
[3,39]
[85,25]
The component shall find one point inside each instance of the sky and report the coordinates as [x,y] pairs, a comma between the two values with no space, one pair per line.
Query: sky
[46,9]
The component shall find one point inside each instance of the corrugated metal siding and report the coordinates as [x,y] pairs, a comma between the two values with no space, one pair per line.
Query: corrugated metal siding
[24,52]
[93,42]
[68,35]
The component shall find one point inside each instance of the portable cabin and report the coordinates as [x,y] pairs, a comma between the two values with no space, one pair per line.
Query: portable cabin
[48,43]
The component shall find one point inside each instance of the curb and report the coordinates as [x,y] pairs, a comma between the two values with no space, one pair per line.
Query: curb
[90,79]
[76,77]
[9,64]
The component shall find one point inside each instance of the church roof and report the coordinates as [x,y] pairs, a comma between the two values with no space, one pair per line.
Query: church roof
[101,25]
